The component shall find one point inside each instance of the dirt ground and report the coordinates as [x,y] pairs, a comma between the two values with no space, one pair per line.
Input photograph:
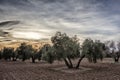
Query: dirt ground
[105,70]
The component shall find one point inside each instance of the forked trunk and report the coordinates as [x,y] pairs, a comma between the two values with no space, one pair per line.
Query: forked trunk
[78,64]
[70,62]
[67,63]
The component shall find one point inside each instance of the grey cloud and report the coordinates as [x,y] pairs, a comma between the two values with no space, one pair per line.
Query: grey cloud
[101,32]
[5,23]
[14,2]
[4,34]
[1,10]
[72,16]
[51,1]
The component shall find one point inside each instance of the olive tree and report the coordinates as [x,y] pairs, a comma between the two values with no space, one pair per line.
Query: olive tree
[0,54]
[8,53]
[66,48]
[118,53]
[113,48]
[24,51]
[93,50]
[34,55]
[48,53]
[39,54]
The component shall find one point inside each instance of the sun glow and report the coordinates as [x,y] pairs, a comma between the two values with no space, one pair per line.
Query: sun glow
[28,35]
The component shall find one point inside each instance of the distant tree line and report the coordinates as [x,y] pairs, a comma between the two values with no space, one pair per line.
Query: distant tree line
[64,48]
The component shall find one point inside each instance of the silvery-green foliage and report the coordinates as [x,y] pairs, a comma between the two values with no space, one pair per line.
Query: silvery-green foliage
[65,46]
[48,53]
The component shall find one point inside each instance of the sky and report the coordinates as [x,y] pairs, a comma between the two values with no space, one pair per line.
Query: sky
[40,19]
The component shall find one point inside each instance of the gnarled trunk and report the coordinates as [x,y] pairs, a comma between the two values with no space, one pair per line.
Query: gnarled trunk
[67,63]
[78,64]
[70,62]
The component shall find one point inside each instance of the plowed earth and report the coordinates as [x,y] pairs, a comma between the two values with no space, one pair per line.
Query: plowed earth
[105,70]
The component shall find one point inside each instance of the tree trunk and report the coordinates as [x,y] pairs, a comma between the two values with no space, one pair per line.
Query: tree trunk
[39,58]
[78,64]
[24,57]
[70,62]
[66,62]
[95,59]
[33,59]
[116,59]
[0,56]
[13,59]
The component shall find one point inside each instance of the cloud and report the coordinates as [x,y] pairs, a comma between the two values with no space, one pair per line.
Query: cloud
[10,23]
[86,18]
[4,34]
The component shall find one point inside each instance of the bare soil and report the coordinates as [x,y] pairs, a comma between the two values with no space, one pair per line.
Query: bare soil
[105,70]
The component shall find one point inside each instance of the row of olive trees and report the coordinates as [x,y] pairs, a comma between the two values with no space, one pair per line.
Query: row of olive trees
[63,48]
[23,52]
[7,53]
[68,48]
